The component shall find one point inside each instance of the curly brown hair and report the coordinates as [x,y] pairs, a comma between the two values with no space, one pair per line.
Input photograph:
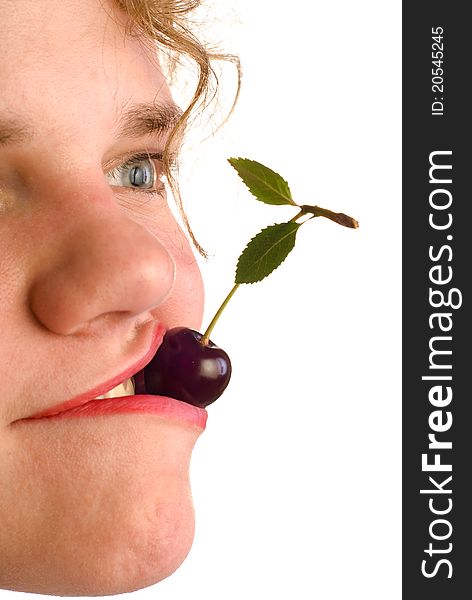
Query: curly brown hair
[166,23]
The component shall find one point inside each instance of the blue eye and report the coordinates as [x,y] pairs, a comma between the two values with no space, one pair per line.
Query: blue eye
[139,172]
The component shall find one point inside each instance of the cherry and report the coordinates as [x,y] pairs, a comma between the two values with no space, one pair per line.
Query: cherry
[188,367]
[139,384]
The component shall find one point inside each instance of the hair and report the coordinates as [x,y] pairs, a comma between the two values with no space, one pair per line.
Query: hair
[167,23]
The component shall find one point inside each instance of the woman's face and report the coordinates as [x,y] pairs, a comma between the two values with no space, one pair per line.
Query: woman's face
[92,266]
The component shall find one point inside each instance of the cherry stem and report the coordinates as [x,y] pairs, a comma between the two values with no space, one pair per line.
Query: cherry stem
[206,336]
[317,211]
[305,209]
[302,213]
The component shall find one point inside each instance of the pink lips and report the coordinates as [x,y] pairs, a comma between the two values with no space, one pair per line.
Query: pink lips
[161,406]
[86,404]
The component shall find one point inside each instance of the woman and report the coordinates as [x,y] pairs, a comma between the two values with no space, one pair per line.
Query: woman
[93,269]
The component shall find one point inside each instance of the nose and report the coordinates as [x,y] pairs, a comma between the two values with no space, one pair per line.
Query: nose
[99,262]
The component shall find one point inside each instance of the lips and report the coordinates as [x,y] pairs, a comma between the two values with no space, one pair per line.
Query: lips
[161,406]
[87,403]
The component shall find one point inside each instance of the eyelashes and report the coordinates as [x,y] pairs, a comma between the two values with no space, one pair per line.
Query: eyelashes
[139,181]
[141,172]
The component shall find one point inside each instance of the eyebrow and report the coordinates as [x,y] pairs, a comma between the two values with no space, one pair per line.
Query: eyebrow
[13,132]
[136,121]
[146,119]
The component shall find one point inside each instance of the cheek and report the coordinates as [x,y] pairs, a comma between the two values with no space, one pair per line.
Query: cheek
[184,306]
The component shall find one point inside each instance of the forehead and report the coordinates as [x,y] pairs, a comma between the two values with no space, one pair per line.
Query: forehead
[48,26]
[73,59]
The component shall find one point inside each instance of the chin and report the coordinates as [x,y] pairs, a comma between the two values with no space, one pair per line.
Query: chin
[132,563]
[113,519]
[128,563]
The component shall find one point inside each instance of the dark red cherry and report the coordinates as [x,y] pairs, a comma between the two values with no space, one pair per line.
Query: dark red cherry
[185,369]
[139,385]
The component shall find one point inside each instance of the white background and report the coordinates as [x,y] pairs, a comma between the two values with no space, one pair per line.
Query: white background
[296,480]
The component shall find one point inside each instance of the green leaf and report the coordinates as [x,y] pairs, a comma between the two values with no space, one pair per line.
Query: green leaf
[266,185]
[266,251]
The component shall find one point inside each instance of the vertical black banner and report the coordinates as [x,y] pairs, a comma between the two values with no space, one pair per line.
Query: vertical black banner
[437,401]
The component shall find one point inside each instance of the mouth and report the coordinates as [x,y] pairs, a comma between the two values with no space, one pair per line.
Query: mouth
[117,396]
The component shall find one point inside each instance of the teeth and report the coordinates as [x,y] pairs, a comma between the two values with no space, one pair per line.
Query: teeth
[124,389]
